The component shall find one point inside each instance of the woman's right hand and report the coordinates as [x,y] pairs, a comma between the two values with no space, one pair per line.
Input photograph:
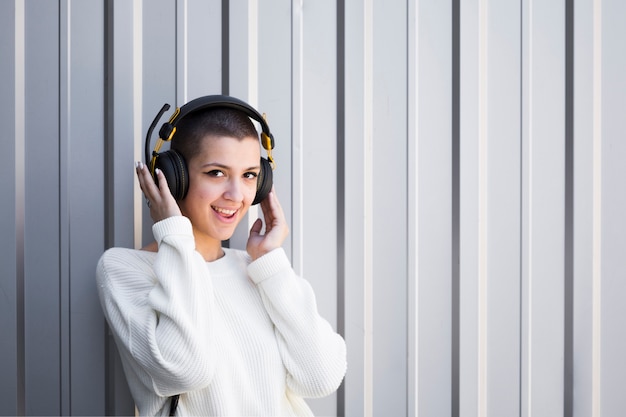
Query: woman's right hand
[160,200]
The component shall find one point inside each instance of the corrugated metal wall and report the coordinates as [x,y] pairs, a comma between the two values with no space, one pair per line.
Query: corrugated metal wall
[453,173]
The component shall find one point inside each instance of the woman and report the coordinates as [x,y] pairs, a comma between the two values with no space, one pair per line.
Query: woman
[231,332]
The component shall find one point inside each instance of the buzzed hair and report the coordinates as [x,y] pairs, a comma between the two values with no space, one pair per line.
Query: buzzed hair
[222,121]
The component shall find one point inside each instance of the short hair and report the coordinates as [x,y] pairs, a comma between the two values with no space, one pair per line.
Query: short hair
[194,127]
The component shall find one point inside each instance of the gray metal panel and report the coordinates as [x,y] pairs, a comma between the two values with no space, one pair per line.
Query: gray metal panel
[203,33]
[318,223]
[503,188]
[158,83]
[159,55]
[470,387]
[357,260]
[390,208]
[64,205]
[613,207]
[431,162]
[121,115]
[275,83]
[42,228]
[543,168]
[84,197]
[583,209]
[510,195]
[10,295]
[583,341]
[119,156]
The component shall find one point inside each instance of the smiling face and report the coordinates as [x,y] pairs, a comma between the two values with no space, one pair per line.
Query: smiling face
[222,185]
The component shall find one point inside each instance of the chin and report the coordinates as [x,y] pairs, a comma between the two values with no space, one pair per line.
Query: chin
[225,234]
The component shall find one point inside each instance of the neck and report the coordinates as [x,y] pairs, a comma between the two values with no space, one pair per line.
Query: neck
[210,251]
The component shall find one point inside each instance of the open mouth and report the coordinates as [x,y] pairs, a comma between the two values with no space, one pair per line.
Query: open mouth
[227,213]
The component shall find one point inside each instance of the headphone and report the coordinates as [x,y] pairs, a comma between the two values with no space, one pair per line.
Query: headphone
[173,164]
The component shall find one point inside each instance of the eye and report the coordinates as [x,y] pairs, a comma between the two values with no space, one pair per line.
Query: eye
[250,175]
[215,173]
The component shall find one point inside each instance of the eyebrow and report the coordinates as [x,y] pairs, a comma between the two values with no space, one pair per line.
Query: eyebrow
[226,167]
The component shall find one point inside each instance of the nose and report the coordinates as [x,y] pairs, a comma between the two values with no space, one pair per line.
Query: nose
[234,190]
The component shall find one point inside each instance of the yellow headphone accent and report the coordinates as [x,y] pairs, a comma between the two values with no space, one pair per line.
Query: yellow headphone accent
[173,164]
[266,141]
[159,143]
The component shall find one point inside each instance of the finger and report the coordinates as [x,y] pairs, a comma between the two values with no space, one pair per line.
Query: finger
[164,189]
[142,172]
[144,184]
[154,194]
[274,210]
[256,227]
[268,202]
[142,176]
[275,201]
[268,211]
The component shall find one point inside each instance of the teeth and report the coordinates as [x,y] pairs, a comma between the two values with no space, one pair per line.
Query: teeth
[224,211]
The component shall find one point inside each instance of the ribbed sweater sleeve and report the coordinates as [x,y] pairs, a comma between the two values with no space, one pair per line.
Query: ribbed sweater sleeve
[161,315]
[312,352]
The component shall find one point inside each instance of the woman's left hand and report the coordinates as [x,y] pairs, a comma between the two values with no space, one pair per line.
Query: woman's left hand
[276,229]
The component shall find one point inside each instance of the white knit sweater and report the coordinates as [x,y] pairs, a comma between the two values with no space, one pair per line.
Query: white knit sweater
[234,338]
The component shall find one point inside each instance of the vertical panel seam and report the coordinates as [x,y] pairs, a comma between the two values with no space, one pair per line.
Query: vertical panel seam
[341,314]
[225,57]
[482,206]
[64,115]
[182,56]
[225,47]
[108,148]
[20,184]
[368,201]
[456,207]
[412,160]
[529,204]
[597,209]
[521,207]
[137,98]
[297,135]
[569,211]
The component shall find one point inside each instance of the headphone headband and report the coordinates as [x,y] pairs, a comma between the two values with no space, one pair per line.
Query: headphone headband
[168,129]
[206,102]
[173,164]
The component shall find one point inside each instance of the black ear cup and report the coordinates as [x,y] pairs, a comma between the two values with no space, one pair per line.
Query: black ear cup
[173,164]
[264,181]
[174,167]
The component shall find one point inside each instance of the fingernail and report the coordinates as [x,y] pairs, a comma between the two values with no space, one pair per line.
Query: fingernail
[157,171]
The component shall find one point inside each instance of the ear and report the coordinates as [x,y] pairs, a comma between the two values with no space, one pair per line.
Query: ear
[264,181]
